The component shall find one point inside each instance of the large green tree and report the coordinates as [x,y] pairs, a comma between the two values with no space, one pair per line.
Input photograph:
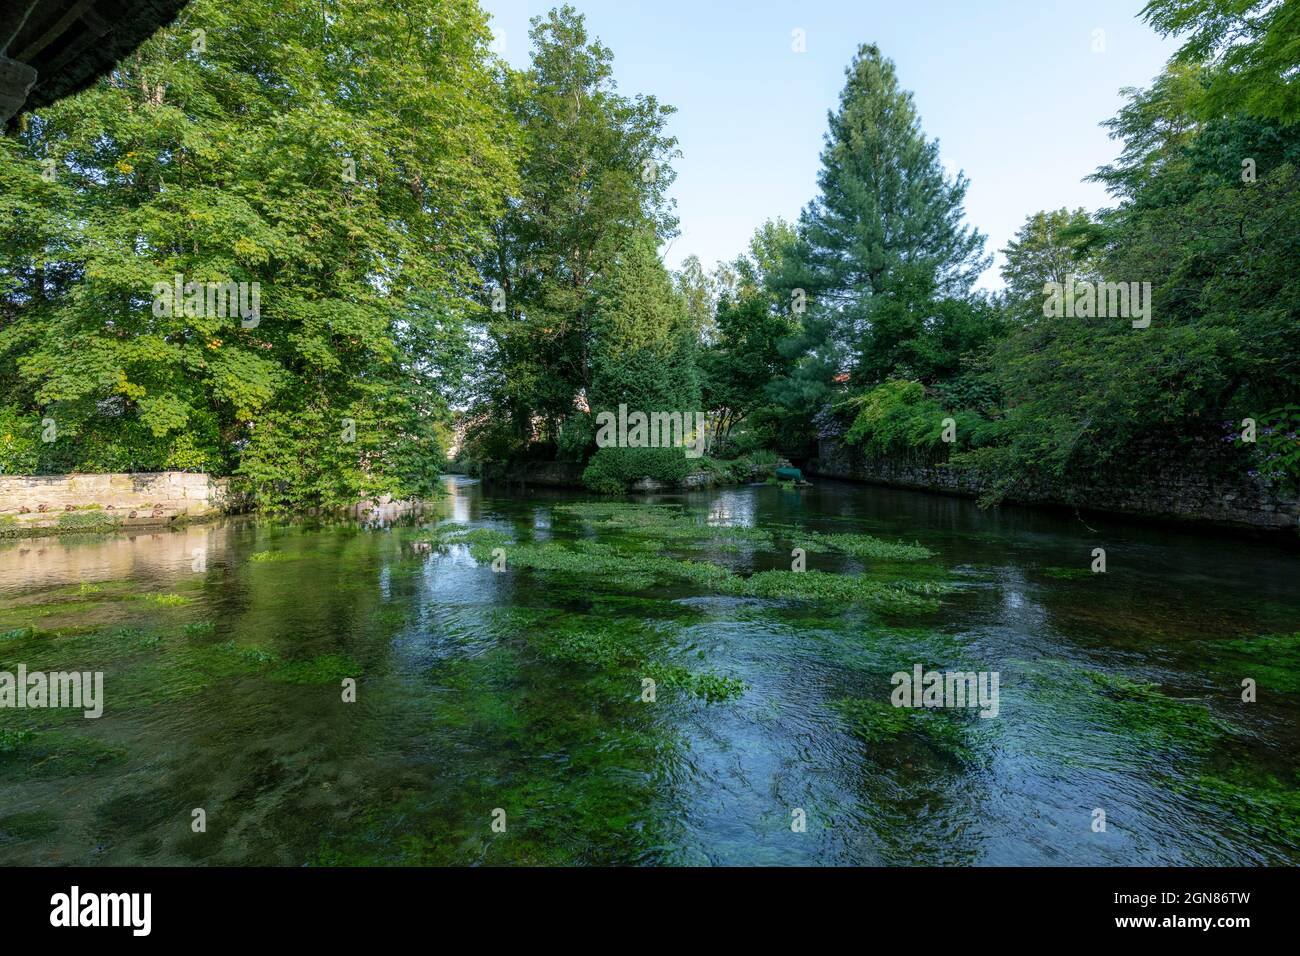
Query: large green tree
[1217,241]
[881,245]
[594,170]
[752,321]
[347,157]
[643,356]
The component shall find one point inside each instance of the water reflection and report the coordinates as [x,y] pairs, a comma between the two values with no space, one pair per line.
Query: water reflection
[224,646]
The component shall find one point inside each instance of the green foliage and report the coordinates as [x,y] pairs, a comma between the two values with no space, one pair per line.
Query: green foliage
[880,724]
[1070,399]
[326,669]
[643,344]
[613,646]
[20,441]
[1277,444]
[229,165]
[1049,247]
[882,254]
[1258,802]
[39,754]
[1273,660]
[619,564]
[594,170]
[751,321]
[866,546]
[1253,46]
[261,556]
[612,470]
[1137,712]
[896,416]
[498,247]
[900,418]
[84,521]
[909,598]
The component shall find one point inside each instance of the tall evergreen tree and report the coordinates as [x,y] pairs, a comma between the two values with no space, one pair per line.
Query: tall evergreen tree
[883,241]
[644,339]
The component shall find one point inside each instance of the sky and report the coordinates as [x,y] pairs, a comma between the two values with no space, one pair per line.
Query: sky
[1014,90]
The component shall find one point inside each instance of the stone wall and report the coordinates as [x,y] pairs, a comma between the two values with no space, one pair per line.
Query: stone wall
[65,502]
[1170,488]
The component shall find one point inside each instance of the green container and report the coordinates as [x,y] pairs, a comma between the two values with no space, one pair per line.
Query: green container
[789,474]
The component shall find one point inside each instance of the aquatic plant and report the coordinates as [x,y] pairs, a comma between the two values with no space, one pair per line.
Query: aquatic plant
[1068,574]
[843,588]
[878,723]
[612,566]
[18,827]
[1272,660]
[865,546]
[634,648]
[167,600]
[52,753]
[664,523]
[86,520]
[1258,802]
[710,687]
[1134,714]
[325,669]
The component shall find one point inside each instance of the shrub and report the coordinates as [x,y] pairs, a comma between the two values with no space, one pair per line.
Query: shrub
[611,470]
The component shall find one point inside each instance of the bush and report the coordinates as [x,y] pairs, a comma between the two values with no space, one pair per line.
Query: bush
[743,468]
[611,470]
[899,416]
[577,437]
[19,442]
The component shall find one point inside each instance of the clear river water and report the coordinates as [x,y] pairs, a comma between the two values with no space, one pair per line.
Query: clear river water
[501,716]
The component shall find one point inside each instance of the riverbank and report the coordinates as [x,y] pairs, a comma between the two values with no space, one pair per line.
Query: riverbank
[38,505]
[34,505]
[1173,491]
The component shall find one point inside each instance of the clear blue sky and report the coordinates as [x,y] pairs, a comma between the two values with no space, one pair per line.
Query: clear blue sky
[1012,89]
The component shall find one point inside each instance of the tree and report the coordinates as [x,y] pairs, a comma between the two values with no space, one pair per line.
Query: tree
[1155,126]
[643,356]
[351,166]
[594,170]
[644,340]
[752,320]
[1050,247]
[882,243]
[1252,47]
[1221,252]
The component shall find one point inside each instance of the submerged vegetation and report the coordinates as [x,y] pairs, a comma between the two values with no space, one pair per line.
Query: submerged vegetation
[590,665]
[1272,660]
[626,555]
[877,723]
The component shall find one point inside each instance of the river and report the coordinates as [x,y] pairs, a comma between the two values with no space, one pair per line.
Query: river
[503,717]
